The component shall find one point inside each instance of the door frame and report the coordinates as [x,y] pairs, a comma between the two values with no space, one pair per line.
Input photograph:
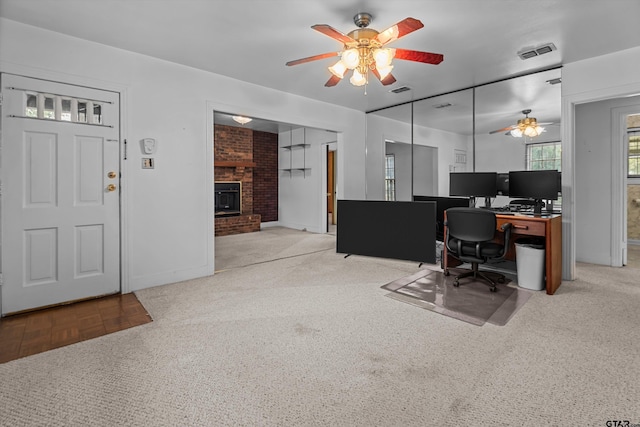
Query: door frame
[324,167]
[123,94]
[567,125]
[619,182]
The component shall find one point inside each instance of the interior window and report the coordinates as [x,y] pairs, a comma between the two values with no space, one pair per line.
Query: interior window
[633,153]
[390,178]
[31,109]
[544,156]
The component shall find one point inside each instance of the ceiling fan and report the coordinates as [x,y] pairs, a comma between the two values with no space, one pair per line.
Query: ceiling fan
[364,50]
[528,126]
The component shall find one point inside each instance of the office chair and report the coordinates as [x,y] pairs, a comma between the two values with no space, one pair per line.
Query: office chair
[470,236]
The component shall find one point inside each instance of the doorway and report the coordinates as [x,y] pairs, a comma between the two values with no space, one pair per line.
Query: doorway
[331,190]
[632,152]
[60,205]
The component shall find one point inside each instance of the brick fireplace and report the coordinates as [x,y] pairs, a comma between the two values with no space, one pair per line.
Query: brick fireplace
[246,156]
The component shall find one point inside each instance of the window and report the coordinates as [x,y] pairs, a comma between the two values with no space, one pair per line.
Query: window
[544,156]
[633,153]
[63,108]
[390,178]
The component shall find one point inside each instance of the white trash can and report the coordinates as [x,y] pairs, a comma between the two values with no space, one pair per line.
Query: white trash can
[530,264]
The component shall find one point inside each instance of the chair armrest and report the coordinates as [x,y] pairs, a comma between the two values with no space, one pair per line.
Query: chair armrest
[506,229]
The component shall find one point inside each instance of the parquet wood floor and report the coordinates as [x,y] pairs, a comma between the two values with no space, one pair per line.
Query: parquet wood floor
[30,333]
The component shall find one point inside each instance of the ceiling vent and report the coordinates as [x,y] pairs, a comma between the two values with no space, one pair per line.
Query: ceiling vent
[400,89]
[443,105]
[540,50]
[554,81]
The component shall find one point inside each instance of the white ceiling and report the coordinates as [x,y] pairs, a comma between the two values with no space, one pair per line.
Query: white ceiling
[251,40]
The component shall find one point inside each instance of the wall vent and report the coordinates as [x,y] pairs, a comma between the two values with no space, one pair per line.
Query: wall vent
[400,89]
[540,50]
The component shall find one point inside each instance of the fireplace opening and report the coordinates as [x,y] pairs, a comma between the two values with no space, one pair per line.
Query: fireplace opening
[227,198]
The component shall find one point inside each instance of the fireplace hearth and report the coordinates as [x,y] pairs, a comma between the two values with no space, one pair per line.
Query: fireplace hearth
[228,196]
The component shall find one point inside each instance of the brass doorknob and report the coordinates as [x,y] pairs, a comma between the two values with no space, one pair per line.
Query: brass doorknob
[111,187]
[112,175]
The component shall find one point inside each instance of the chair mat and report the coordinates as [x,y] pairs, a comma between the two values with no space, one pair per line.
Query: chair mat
[471,302]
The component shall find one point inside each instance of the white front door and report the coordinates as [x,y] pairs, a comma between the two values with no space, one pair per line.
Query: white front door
[59,200]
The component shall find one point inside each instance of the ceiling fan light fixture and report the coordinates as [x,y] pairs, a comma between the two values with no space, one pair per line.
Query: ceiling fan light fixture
[358,79]
[364,51]
[241,119]
[384,71]
[383,57]
[532,131]
[351,58]
[338,69]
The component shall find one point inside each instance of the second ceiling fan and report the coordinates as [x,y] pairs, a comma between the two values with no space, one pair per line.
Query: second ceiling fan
[529,126]
[365,50]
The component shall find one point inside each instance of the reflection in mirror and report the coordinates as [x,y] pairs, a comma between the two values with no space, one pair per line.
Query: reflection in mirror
[423,155]
[389,154]
[442,133]
[499,107]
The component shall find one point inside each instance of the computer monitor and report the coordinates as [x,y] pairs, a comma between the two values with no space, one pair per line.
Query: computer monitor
[537,185]
[474,184]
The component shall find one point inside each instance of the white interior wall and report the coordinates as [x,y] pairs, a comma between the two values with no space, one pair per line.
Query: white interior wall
[168,212]
[447,143]
[416,170]
[302,194]
[425,170]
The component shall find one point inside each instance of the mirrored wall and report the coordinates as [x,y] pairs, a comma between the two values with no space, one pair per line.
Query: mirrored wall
[412,148]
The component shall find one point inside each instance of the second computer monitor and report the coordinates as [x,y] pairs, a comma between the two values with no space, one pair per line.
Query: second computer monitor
[474,184]
[536,185]
[540,184]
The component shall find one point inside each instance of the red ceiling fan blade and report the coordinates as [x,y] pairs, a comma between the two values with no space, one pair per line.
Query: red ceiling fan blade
[334,80]
[417,56]
[401,29]
[387,80]
[313,58]
[328,30]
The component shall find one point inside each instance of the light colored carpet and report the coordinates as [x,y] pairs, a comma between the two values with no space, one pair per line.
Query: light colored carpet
[311,340]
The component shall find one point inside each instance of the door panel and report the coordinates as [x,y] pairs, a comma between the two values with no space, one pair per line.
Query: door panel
[39,164]
[60,220]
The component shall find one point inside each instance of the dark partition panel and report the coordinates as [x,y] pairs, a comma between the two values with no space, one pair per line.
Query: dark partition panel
[400,230]
[442,204]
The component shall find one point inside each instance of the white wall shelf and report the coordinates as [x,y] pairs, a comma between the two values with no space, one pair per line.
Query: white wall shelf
[295,146]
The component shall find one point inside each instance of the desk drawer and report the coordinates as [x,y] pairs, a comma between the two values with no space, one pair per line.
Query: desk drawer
[529,228]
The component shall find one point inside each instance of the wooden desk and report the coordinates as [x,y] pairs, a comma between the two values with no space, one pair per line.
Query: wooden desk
[549,227]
